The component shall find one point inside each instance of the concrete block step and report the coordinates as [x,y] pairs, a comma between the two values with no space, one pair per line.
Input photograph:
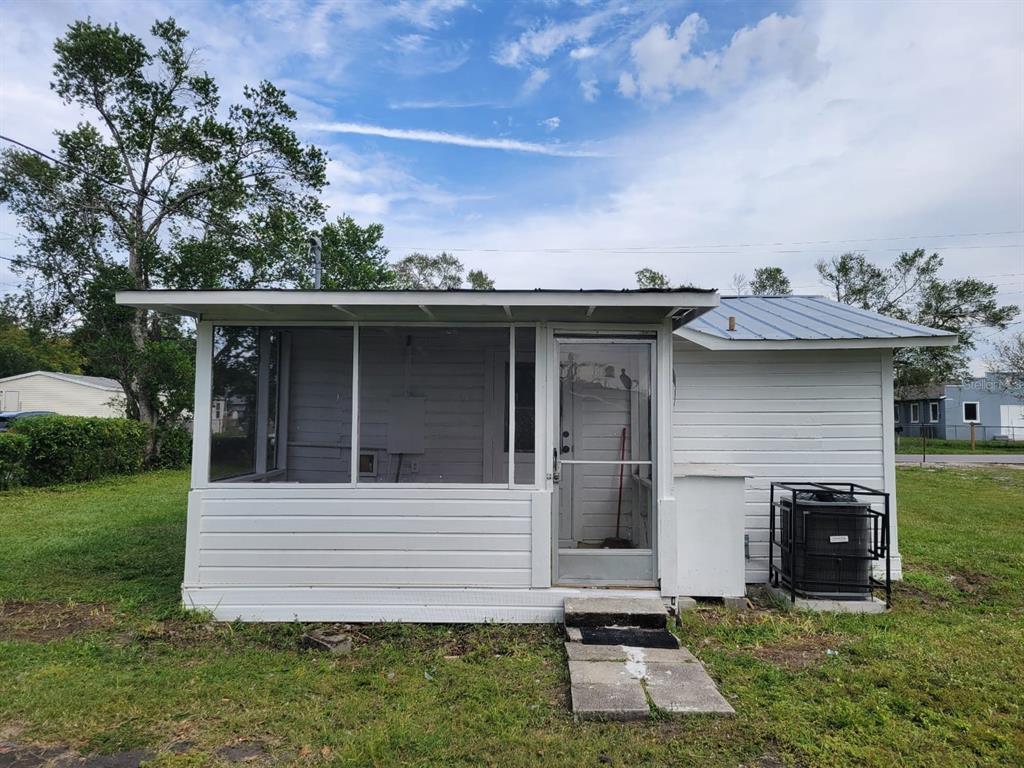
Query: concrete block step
[615,683]
[649,613]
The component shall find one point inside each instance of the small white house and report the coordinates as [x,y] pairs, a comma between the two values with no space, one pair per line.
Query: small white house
[481,456]
[64,393]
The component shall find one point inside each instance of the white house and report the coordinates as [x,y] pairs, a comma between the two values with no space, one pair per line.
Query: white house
[65,393]
[480,456]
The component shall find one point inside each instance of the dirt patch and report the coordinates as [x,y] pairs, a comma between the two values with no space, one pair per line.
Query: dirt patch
[973,587]
[43,622]
[181,633]
[927,599]
[798,653]
[971,583]
[244,752]
[15,755]
[765,761]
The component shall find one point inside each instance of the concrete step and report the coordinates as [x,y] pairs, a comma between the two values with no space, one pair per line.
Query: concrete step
[649,613]
[610,682]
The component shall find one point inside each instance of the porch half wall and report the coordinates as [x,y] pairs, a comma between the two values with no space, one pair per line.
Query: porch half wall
[258,552]
[785,415]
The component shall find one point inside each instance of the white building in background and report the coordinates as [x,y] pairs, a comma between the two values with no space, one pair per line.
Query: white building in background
[64,393]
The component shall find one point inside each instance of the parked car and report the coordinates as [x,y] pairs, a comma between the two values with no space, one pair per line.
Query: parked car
[8,418]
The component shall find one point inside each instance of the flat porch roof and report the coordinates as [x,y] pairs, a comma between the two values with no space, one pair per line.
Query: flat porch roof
[289,305]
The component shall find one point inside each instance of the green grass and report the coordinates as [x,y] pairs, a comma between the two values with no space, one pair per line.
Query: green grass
[935,682]
[913,445]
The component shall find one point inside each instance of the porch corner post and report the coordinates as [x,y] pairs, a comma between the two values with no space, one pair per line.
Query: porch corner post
[889,458]
[203,405]
[354,438]
[667,552]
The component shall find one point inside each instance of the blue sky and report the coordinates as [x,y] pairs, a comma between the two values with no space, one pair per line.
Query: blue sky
[570,143]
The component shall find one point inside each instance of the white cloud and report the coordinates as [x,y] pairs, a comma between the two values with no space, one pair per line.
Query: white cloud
[424,13]
[627,85]
[551,123]
[915,128]
[589,90]
[539,43]
[455,139]
[664,62]
[534,82]
[583,52]
[438,104]
[418,54]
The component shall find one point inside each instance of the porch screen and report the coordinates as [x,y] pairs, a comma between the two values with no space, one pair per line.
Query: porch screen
[239,442]
[431,405]
[281,405]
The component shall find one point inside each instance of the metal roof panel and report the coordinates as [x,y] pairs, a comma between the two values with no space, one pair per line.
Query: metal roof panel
[804,318]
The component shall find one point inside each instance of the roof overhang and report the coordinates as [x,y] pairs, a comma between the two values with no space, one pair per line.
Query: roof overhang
[717,343]
[632,307]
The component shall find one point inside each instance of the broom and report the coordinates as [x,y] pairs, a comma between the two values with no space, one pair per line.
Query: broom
[616,542]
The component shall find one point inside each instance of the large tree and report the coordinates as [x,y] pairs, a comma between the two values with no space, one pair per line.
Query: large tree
[910,289]
[443,272]
[161,186]
[1007,363]
[353,257]
[24,349]
[646,277]
[770,281]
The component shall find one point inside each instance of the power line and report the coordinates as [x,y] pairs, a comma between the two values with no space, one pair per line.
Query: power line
[641,249]
[112,184]
[667,249]
[69,166]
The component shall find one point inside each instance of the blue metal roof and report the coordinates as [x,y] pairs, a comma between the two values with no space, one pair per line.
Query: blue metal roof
[805,318]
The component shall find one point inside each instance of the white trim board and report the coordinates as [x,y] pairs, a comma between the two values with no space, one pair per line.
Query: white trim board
[716,343]
[500,299]
[406,604]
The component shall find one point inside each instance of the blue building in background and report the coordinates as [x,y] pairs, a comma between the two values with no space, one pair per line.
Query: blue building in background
[947,411]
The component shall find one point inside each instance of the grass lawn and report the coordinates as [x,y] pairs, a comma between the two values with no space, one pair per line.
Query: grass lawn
[95,656]
[913,445]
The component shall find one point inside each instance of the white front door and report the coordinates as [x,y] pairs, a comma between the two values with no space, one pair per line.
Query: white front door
[10,400]
[603,458]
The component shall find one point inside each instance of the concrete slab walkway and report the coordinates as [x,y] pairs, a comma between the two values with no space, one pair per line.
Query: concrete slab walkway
[961,458]
[618,682]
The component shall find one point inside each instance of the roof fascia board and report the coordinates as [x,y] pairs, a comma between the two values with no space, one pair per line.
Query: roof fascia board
[181,300]
[716,343]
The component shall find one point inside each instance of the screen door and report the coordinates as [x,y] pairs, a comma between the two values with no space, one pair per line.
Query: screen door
[603,468]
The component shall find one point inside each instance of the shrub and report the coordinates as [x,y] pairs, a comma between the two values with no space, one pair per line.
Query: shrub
[13,452]
[173,448]
[70,449]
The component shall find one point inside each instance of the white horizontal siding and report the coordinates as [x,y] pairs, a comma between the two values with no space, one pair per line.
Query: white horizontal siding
[320,405]
[451,373]
[800,415]
[45,393]
[296,537]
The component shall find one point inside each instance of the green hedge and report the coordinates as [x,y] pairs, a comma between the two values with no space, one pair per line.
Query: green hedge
[173,448]
[70,449]
[13,452]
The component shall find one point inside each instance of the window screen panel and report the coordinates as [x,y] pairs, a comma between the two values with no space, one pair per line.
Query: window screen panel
[430,404]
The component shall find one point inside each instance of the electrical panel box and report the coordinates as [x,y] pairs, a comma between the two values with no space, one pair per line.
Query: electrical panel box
[407,419]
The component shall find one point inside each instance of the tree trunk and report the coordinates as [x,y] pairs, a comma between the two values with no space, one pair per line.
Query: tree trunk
[147,411]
